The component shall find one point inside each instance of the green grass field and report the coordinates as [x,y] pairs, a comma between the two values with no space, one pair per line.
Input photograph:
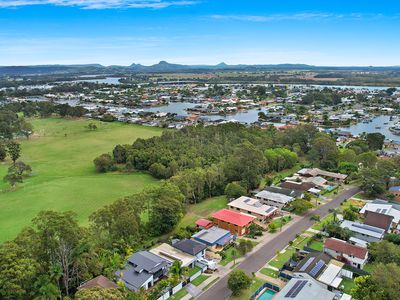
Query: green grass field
[61,154]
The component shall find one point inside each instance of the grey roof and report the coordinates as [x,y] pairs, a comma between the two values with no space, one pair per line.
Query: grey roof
[211,235]
[304,289]
[363,229]
[189,246]
[140,267]
[277,197]
[284,191]
[147,261]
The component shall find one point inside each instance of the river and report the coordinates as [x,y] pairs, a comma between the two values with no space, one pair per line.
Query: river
[378,121]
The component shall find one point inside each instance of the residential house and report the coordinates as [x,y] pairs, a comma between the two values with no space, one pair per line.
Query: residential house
[204,224]
[191,247]
[253,207]
[356,256]
[321,267]
[171,254]
[274,199]
[214,237]
[237,223]
[285,191]
[98,282]
[298,186]
[304,289]
[325,174]
[395,190]
[363,231]
[383,207]
[379,220]
[143,270]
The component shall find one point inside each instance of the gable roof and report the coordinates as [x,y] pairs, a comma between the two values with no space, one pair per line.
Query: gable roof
[99,281]
[189,246]
[233,217]
[204,223]
[344,247]
[378,220]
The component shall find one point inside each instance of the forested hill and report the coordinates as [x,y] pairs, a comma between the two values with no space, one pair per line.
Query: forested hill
[164,66]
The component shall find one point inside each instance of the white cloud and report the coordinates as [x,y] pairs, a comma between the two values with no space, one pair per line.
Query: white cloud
[301,16]
[98,4]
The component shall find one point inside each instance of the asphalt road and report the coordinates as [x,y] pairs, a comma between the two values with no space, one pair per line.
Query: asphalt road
[258,259]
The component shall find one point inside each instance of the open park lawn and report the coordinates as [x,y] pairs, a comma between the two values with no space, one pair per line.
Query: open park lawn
[61,154]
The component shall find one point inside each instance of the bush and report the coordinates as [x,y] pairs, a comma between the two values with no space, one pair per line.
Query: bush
[238,281]
[3,152]
[104,163]
[234,190]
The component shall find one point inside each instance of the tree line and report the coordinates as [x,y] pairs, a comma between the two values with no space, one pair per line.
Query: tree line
[54,255]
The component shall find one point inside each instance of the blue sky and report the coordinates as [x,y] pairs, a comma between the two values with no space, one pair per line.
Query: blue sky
[352,32]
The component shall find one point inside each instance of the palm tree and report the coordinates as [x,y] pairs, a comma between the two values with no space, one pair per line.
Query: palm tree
[177,271]
[334,212]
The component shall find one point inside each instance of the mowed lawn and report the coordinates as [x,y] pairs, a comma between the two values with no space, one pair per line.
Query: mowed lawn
[61,154]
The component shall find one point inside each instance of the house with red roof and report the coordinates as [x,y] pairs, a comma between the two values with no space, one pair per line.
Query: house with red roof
[353,255]
[204,224]
[237,223]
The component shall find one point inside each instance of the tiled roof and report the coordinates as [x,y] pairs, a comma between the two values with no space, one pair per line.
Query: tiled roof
[99,281]
[378,220]
[344,247]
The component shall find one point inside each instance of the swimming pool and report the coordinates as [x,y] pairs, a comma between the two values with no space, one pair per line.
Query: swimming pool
[266,295]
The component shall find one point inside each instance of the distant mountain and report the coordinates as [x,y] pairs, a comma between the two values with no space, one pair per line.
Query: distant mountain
[166,67]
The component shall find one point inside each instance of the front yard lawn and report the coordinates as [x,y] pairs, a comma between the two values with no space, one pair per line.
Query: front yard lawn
[317,245]
[200,279]
[229,256]
[193,271]
[179,295]
[269,272]
[320,225]
[279,260]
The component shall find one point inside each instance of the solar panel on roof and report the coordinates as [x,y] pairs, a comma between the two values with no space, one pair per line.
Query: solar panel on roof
[270,209]
[378,210]
[299,288]
[384,211]
[317,268]
[293,288]
[246,200]
[307,264]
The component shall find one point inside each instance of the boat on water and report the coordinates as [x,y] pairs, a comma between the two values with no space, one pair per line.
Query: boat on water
[378,127]
[395,129]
